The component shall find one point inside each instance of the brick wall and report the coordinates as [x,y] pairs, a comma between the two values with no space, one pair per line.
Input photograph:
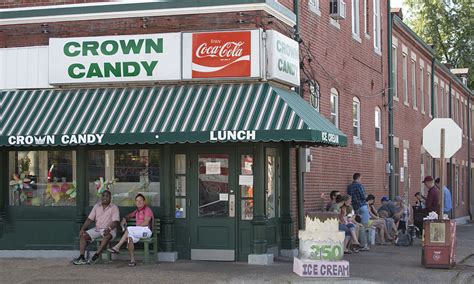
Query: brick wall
[410,121]
[355,70]
[33,3]
[33,34]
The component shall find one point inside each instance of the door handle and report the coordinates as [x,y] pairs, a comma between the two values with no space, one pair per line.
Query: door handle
[231,205]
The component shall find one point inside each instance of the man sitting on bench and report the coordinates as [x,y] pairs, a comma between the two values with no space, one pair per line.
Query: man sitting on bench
[106,216]
[144,221]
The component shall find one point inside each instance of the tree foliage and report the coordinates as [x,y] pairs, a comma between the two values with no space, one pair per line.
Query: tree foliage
[448,24]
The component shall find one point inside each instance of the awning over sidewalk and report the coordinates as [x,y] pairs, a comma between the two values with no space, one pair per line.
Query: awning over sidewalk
[162,114]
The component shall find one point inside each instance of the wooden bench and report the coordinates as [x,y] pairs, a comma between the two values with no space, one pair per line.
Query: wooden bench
[146,242]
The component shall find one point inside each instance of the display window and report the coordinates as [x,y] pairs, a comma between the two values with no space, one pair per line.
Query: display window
[125,173]
[42,178]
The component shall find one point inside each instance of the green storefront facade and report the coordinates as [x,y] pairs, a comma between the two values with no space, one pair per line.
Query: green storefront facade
[213,160]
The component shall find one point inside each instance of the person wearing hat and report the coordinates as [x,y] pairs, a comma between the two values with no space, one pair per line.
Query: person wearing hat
[432,200]
[405,214]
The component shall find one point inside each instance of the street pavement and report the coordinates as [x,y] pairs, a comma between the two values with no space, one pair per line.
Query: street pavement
[382,264]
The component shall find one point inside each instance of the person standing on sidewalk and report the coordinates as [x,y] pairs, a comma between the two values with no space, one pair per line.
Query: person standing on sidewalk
[357,192]
[432,200]
[448,206]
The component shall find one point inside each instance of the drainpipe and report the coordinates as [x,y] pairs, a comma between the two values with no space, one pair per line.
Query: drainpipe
[391,148]
[450,183]
[433,62]
[299,173]
[469,143]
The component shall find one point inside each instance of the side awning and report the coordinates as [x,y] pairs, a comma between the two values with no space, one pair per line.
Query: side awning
[161,115]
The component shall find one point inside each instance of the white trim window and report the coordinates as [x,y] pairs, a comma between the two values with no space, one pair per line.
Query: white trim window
[378,125]
[413,83]
[428,83]
[366,18]
[356,118]
[422,90]
[395,71]
[377,43]
[313,6]
[405,77]
[442,114]
[446,105]
[334,107]
[355,19]
[435,97]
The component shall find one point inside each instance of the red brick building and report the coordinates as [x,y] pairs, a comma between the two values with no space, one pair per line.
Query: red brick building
[345,75]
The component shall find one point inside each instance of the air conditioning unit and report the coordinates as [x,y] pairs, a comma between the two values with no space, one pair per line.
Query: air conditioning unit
[337,9]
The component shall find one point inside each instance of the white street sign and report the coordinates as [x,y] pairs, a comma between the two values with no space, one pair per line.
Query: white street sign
[432,137]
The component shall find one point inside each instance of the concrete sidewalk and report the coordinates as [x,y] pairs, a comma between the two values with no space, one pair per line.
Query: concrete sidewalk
[382,264]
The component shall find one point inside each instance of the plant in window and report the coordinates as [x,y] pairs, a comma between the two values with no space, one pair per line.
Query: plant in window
[104,185]
[24,164]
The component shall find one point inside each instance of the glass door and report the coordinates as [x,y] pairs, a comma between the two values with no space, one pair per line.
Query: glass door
[213,205]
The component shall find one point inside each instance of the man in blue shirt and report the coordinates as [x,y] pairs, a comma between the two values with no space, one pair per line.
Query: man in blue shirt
[448,206]
[357,192]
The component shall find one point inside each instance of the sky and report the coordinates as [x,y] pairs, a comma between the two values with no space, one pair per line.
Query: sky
[396,3]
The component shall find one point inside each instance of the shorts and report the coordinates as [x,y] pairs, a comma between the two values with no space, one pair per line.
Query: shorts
[137,233]
[345,229]
[364,214]
[96,233]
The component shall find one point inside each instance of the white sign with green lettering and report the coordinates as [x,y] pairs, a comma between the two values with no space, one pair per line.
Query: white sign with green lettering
[148,57]
[283,58]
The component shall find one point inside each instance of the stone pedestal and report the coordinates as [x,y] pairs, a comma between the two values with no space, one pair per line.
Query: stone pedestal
[261,259]
[171,256]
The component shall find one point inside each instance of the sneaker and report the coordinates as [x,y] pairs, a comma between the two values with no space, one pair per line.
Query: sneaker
[79,261]
[93,259]
[365,248]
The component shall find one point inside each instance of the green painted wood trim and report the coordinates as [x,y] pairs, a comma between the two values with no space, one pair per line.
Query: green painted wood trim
[167,220]
[81,183]
[288,240]
[131,7]
[259,222]
[3,189]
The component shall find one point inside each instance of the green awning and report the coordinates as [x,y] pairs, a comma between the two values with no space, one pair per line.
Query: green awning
[162,114]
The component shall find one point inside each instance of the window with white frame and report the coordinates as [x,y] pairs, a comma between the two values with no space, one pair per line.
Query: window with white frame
[422,90]
[366,17]
[435,97]
[335,107]
[446,105]
[428,83]
[314,94]
[405,78]
[455,113]
[376,24]
[355,19]
[458,112]
[356,118]
[413,82]
[378,125]
[442,102]
[462,118]
[395,71]
[314,6]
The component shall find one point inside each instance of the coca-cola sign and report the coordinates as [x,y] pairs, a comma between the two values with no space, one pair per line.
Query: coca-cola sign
[221,54]
[226,54]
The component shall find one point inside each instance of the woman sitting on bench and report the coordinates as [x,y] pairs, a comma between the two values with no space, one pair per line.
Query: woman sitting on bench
[144,220]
